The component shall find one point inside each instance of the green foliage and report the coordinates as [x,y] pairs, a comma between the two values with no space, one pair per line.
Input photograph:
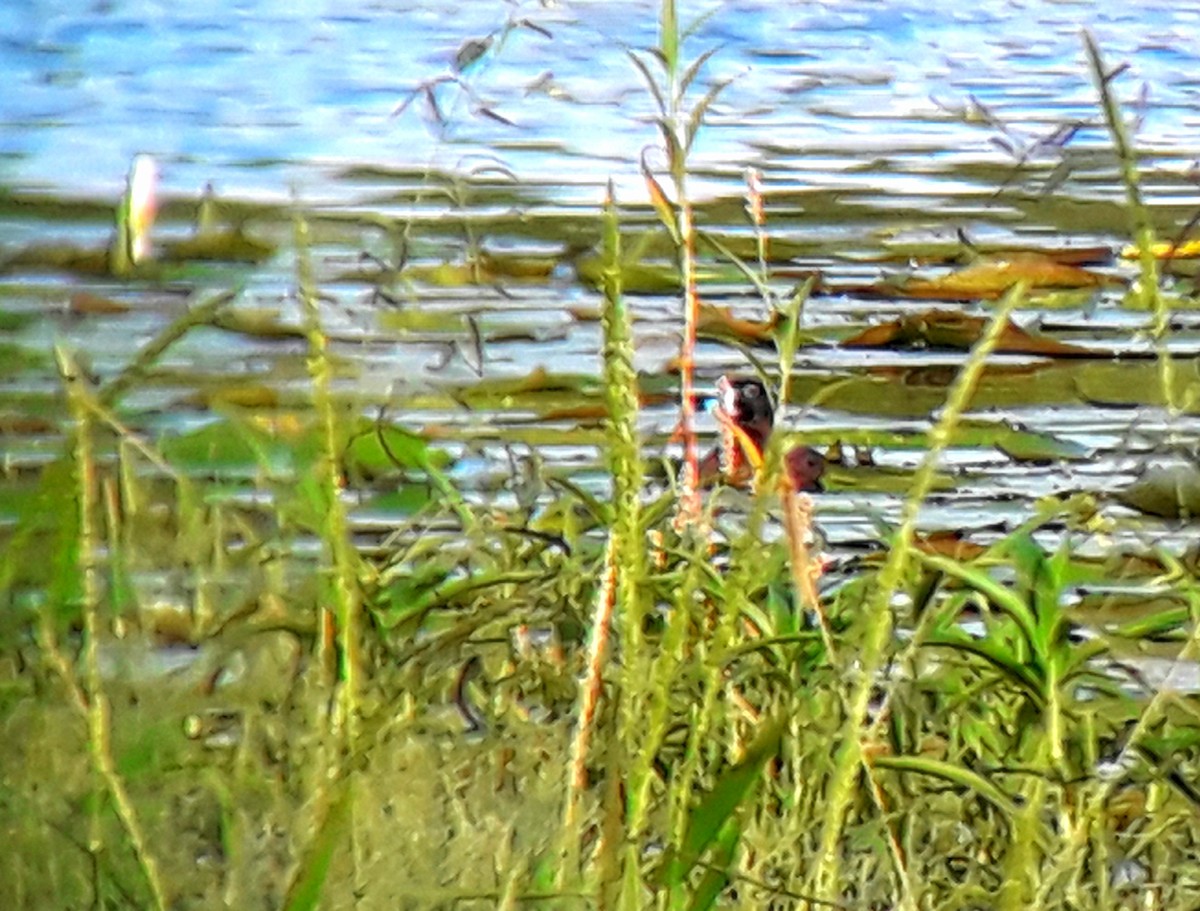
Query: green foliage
[211,678]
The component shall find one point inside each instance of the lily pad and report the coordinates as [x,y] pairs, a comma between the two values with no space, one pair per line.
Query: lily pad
[60,256]
[86,303]
[231,245]
[1169,491]
[990,277]
[1015,442]
[382,449]
[15,322]
[537,390]
[951,329]
[16,360]
[518,266]
[879,479]
[258,322]
[241,395]
[232,447]
[719,322]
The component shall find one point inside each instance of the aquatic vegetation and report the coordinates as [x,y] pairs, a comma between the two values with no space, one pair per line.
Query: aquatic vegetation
[280,641]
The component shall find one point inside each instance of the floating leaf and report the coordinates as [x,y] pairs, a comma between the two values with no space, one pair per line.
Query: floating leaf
[14,322]
[66,257]
[241,395]
[230,447]
[511,265]
[446,275]
[636,277]
[989,278]
[1026,445]
[25,425]
[87,303]
[948,543]
[230,245]
[405,500]
[1170,491]
[1187,250]
[259,322]
[537,390]
[16,360]
[959,331]
[382,449]
[647,267]
[1016,442]
[422,320]
[719,322]
[879,479]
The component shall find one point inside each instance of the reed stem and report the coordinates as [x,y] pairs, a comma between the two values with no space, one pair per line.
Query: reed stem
[1149,294]
[90,698]
[849,757]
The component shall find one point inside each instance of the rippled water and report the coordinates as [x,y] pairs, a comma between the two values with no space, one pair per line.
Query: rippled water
[876,126]
[270,97]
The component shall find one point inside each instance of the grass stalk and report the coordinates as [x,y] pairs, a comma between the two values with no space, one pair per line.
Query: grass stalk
[624,566]
[589,700]
[689,499]
[797,508]
[671,126]
[198,315]
[1150,298]
[849,757]
[701,720]
[624,448]
[1074,851]
[90,698]
[335,527]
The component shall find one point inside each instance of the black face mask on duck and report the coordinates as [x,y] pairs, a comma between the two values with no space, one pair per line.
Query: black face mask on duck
[746,416]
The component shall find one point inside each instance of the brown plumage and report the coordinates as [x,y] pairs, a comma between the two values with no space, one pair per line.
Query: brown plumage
[746,417]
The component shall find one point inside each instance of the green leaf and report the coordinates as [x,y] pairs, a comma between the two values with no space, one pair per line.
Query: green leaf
[1008,662]
[716,877]
[1003,598]
[668,38]
[948,771]
[705,824]
[651,82]
[304,893]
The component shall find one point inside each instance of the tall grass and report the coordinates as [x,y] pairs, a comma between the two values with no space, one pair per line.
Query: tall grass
[1149,293]
[678,126]
[722,733]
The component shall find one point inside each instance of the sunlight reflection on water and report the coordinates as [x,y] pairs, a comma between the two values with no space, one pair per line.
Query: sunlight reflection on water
[260,97]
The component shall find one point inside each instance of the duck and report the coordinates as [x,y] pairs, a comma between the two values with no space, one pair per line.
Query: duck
[743,409]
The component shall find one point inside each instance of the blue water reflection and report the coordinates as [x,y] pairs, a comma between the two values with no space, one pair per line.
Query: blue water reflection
[265,97]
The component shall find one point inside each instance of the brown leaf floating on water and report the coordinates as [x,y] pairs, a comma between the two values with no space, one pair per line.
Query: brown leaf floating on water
[720,321]
[948,543]
[934,254]
[990,277]
[85,303]
[25,425]
[945,543]
[959,331]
